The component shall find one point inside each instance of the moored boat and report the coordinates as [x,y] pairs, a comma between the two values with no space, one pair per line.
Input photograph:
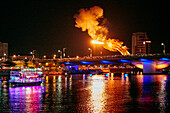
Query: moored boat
[26,76]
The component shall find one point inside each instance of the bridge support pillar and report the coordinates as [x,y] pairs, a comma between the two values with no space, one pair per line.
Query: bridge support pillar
[149,67]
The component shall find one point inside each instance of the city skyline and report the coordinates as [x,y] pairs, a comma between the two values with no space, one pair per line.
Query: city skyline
[49,26]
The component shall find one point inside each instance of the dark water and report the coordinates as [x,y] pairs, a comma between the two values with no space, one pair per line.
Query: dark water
[84,94]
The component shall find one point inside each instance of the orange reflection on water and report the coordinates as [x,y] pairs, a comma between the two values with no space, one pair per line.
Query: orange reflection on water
[54,79]
[98,98]
[46,79]
[98,77]
[118,87]
[139,78]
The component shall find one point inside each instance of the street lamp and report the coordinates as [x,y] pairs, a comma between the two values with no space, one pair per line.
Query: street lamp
[13,57]
[5,56]
[90,51]
[33,54]
[54,56]
[59,51]
[163,47]
[44,57]
[64,52]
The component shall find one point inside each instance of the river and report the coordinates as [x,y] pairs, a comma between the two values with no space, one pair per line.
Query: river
[81,93]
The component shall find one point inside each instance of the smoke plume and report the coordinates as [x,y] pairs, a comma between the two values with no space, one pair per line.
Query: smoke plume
[88,20]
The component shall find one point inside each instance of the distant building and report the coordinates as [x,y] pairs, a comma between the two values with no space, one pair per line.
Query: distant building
[140,43]
[3,49]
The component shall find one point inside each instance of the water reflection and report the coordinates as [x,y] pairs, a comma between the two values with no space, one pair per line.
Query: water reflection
[148,93]
[25,99]
[84,93]
[162,92]
[97,92]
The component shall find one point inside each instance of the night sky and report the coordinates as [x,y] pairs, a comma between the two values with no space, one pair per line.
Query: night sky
[47,26]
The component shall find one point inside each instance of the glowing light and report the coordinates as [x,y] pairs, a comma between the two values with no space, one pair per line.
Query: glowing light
[90,75]
[54,79]
[145,60]
[69,63]
[106,62]
[47,79]
[98,77]
[107,75]
[165,78]
[84,62]
[124,61]
[126,75]
[46,64]
[164,59]
[110,45]
[14,56]
[161,66]
[148,41]
[97,42]
[59,79]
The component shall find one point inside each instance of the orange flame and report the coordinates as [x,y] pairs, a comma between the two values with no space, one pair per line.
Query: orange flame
[88,20]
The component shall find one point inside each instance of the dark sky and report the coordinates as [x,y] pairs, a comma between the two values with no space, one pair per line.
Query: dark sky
[47,26]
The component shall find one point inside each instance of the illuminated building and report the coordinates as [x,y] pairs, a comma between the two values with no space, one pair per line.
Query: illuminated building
[3,49]
[140,43]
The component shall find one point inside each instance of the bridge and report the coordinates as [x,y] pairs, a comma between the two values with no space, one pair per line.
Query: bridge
[149,63]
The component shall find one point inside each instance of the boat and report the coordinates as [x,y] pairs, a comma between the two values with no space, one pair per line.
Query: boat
[105,70]
[26,76]
[52,72]
[95,71]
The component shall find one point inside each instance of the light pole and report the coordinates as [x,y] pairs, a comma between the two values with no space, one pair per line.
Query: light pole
[59,51]
[64,52]
[44,57]
[13,57]
[5,56]
[163,47]
[90,51]
[33,54]
[54,56]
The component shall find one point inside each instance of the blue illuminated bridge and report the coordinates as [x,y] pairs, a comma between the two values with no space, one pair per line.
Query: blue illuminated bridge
[149,63]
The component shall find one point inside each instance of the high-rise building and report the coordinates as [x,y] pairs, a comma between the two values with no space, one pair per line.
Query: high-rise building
[140,43]
[3,49]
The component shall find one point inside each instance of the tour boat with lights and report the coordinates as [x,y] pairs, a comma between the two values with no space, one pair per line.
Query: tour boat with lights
[26,76]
